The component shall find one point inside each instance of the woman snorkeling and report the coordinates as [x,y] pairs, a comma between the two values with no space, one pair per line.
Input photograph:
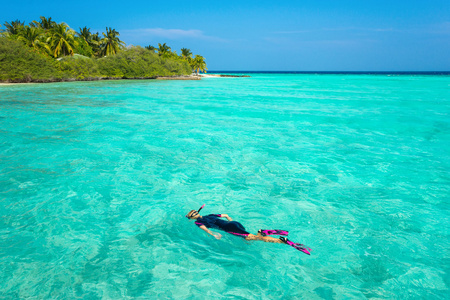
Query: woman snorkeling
[215,221]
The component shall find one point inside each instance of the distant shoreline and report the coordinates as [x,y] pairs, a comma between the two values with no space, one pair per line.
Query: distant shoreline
[337,72]
[176,77]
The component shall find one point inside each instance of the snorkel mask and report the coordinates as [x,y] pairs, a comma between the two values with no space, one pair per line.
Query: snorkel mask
[196,212]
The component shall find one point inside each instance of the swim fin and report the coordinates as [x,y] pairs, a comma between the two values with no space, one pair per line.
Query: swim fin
[265,232]
[297,246]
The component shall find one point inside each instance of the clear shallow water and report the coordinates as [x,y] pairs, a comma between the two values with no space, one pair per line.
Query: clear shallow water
[96,177]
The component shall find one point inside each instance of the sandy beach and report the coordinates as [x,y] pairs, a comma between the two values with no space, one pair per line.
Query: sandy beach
[13,83]
[183,77]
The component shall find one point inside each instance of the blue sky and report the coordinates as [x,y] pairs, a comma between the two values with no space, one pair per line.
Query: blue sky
[319,35]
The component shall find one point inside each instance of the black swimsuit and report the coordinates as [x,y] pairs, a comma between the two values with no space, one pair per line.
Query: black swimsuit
[214,221]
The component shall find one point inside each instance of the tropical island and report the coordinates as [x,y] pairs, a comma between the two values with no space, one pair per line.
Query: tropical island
[46,51]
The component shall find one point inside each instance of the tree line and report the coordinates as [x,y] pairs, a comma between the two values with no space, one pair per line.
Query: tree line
[197,62]
[58,41]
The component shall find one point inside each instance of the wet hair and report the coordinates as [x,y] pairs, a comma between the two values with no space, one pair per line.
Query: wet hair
[191,213]
[194,211]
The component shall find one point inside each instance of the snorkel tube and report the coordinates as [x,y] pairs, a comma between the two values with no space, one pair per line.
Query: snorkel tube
[195,211]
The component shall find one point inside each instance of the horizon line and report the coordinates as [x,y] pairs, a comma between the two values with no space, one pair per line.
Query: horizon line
[281,71]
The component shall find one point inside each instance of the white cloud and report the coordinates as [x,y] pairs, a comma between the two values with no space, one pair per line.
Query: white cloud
[171,34]
[335,30]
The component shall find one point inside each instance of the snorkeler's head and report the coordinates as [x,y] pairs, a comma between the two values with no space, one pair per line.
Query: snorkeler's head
[193,213]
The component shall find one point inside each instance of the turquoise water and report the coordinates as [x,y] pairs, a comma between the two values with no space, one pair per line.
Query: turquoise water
[96,177]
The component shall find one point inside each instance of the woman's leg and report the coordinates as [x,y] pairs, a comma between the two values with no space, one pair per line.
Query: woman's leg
[236,228]
[259,237]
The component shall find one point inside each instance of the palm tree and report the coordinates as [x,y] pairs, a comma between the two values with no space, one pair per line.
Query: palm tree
[47,24]
[85,34]
[33,38]
[30,36]
[86,45]
[199,64]
[62,40]
[13,27]
[186,54]
[164,50]
[95,43]
[96,37]
[111,44]
[151,48]
[34,24]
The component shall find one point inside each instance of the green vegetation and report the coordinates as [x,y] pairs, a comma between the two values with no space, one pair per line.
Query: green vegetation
[110,43]
[138,62]
[18,63]
[198,63]
[46,51]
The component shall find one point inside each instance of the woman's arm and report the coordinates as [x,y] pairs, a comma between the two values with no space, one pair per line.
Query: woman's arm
[216,235]
[226,216]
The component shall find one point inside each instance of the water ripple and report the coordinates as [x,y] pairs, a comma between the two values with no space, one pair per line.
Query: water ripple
[96,177]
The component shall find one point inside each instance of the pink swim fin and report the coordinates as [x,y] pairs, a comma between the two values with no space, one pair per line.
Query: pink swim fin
[297,246]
